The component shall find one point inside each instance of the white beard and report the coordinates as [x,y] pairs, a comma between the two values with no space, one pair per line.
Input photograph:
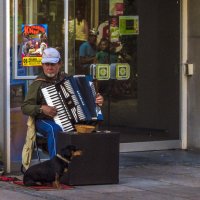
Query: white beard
[50,75]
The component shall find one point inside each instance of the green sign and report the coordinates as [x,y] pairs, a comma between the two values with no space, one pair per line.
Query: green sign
[102,72]
[122,71]
[128,25]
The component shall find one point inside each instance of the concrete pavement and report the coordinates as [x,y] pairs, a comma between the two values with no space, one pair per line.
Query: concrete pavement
[152,175]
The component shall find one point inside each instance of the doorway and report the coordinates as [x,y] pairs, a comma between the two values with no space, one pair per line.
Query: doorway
[146,107]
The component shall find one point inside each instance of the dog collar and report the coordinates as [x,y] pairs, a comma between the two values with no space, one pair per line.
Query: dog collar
[64,159]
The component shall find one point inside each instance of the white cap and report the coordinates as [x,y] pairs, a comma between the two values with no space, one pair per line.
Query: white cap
[93,32]
[50,55]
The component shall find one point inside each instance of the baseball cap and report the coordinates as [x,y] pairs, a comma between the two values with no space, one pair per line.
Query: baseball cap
[93,32]
[50,55]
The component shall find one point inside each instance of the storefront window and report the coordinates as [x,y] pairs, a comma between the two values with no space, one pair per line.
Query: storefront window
[144,35]
[35,24]
[138,33]
[39,24]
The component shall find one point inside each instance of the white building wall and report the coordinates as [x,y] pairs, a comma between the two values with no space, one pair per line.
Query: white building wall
[194,81]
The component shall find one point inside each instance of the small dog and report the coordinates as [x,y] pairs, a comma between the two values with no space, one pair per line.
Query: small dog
[50,171]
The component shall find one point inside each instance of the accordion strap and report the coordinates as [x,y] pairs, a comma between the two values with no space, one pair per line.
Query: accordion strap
[40,79]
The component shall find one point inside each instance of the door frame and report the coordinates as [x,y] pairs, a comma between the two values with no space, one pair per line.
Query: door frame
[5,101]
[182,142]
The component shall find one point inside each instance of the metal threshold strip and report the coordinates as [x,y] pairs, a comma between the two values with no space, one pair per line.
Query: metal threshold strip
[150,145]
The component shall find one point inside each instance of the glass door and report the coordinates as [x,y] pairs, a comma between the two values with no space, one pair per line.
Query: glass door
[146,36]
[146,107]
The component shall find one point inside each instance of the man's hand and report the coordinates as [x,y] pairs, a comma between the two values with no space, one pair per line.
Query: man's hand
[99,99]
[49,110]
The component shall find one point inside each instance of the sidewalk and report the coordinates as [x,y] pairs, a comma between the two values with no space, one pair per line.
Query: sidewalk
[153,175]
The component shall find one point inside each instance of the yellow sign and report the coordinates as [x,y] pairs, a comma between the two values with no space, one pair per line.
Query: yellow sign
[122,71]
[129,25]
[31,61]
[102,71]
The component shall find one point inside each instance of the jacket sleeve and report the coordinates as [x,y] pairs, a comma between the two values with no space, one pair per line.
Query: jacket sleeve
[31,105]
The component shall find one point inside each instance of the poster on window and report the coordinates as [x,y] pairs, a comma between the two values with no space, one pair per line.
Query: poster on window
[116,7]
[34,41]
[129,25]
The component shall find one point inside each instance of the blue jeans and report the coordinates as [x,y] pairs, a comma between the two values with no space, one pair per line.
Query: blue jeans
[49,129]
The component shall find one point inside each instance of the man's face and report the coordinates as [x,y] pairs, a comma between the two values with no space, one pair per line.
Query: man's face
[92,39]
[79,15]
[104,45]
[51,69]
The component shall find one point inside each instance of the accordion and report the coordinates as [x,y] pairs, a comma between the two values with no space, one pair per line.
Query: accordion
[74,98]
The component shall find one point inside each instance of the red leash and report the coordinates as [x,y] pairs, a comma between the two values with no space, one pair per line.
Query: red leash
[5,178]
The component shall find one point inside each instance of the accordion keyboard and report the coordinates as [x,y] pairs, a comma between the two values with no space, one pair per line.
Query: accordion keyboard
[62,118]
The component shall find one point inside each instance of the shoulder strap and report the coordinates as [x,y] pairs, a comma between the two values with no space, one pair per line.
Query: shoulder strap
[40,79]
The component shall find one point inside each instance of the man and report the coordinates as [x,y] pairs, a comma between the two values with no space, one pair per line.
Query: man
[87,52]
[35,105]
[81,29]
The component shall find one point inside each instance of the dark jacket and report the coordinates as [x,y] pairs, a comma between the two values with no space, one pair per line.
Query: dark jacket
[34,98]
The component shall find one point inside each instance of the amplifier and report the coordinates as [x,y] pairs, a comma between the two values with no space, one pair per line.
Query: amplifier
[99,163]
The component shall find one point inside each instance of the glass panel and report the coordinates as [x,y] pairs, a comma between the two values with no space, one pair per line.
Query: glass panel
[79,22]
[30,12]
[71,37]
[39,24]
[17,87]
[141,108]
[120,95]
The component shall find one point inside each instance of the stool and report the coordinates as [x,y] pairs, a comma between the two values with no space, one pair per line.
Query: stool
[40,142]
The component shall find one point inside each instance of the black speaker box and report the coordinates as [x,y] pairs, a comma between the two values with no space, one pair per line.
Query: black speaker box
[99,163]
